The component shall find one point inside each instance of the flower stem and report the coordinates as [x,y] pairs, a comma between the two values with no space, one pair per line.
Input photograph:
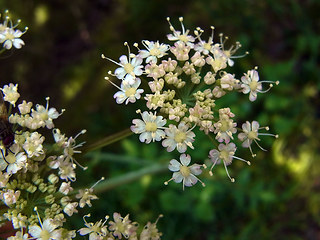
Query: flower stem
[129,177]
[108,140]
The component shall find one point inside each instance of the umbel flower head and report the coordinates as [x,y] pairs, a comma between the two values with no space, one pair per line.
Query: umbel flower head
[9,35]
[32,177]
[185,79]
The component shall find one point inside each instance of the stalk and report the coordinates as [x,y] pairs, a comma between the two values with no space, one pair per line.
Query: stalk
[108,140]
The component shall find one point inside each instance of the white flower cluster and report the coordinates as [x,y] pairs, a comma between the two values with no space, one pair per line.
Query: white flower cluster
[36,173]
[9,35]
[185,80]
[120,227]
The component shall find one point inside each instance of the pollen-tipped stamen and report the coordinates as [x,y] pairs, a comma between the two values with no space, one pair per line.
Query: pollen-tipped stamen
[225,166]
[113,61]
[210,171]
[106,78]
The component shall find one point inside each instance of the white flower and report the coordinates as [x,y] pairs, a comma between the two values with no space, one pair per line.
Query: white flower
[10,196]
[250,133]
[85,197]
[228,81]
[180,138]
[218,62]
[149,128]
[203,46]
[33,144]
[225,127]
[181,51]
[25,107]
[156,85]
[250,84]
[59,138]
[11,37]
[96,231]
[154,51]
[10,93]
[13,161]
[128,68]
[71,208]
[180,36]
[122,226]
[65,188]
[128,92]
[184,173]
[4,178]
[155,100]
[225,153]
[45,115]
[66,170]
[46,231]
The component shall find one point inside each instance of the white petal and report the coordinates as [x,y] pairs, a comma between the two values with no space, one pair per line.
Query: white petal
[84,231]
[174,165]
[195,169]
[18,43]
[145,137]
[123,59]
[190,180]
[35,231]
[181,147]
[185,159]
[7,44]
[49,225]
[177,177]
[255,126]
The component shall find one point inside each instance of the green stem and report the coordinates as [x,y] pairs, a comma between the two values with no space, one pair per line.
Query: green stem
[108,140]
[129,177]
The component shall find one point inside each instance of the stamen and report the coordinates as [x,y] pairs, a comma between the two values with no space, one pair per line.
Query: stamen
[136,45]
[259,145]
[106,219]
[210,172]
[264,91]
[36,210]
[104,57]
[202,183]
[252,154]
[145,44]
[160,216]
[88,215]
[225,166]
[182,26]
[269,134]
[192,128]
[130,55]
[113,84]
[47,99]
[82,132]
[241,159]
[212,32]
[111,74]
[171,27]
[83,168]
[101,179]
[167,182]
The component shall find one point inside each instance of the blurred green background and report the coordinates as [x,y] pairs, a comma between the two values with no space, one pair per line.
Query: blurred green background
[277,197]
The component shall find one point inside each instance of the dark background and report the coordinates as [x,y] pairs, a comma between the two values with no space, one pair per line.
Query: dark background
[275,198]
